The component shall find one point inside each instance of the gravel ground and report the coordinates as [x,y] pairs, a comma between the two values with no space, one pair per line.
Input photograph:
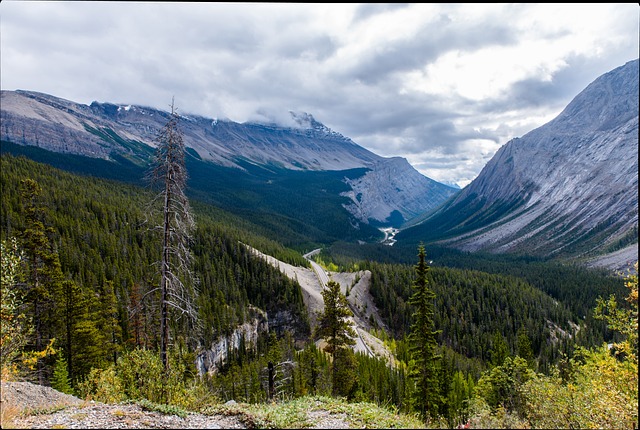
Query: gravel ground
[38,407]
[43,407]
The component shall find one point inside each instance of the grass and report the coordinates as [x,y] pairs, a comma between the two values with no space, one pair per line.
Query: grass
[162,408]
[8,413]
[310,411]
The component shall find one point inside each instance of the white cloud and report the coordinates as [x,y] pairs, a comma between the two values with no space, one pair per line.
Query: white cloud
[444,85]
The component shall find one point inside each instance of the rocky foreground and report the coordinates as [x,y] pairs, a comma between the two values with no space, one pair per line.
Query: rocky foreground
[27,405]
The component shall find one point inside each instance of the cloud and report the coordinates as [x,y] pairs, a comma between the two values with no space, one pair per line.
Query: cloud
[443,85]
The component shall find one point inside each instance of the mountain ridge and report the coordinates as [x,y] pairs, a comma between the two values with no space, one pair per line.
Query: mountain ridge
[104,130]
[567,189]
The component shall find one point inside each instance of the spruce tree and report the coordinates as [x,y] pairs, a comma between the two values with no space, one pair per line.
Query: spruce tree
[499,350]
[423,342]
[43,271]
[60,380]
[524,347]
[335,327]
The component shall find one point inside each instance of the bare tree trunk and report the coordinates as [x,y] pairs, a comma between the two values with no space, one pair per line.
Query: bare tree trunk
[164,327]
[177,223]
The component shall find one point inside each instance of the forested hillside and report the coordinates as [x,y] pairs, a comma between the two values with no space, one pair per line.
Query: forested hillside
[300,209]
[509,332]
[105,241]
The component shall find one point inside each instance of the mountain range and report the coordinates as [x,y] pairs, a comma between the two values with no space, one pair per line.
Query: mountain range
[387,190]
[568,189]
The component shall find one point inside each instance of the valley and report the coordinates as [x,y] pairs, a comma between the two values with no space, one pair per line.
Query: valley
[529,270]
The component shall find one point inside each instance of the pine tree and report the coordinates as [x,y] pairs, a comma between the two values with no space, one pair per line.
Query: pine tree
[176,279]
[499,350]
[60,380]
[107,320]
[423,342]
[335,327]
[84,345]
[524,346]
[43,273]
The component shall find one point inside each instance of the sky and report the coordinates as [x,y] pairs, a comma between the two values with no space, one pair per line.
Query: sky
[443,85]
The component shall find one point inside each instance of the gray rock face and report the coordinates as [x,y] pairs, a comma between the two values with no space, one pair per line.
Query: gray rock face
[104,129]
[577,177]
[209,359]
[391,186]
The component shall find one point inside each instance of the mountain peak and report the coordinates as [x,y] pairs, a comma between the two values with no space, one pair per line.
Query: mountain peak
[567,189]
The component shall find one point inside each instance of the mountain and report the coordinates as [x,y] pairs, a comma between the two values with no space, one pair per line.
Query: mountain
[387,190]
[568,189]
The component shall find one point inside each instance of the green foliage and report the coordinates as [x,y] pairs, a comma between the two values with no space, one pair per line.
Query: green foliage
[524,347]
[482,416]
[310,411]
[502,385]
[60,379]
[621,320]
[474,310]
[99,232]
[576,288]
[43,271]
[423,343]
[333,324]
[344,376]
[335,327]
[382,384]
[594,388]
[15,327]
[600,392]
[499,350]
[102,385]
[313,371]
[87,249]
[162,408]
[139,375]
[458,396]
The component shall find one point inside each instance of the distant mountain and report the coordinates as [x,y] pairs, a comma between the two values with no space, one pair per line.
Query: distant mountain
[568,189]
[111,132]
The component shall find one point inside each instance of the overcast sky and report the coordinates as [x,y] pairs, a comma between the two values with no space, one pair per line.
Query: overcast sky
[443,85]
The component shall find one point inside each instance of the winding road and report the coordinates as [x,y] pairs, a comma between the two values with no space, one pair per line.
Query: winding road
[324,280]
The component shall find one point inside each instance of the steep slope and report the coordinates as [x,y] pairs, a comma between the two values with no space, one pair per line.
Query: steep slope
[567,189]
[112,132]
[31,118]
[387,193]
[355,286]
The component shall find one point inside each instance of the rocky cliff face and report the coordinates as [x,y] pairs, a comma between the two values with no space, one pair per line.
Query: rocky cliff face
[104,130]
[388,193]
[568,188]
[246,335]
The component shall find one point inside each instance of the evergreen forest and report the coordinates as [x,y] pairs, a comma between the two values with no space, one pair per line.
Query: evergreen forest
[515,341]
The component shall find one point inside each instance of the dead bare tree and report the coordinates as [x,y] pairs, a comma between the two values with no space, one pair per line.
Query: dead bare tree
[177,282]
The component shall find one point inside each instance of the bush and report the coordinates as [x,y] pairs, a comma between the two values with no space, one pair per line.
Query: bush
[601,392]
[102,385]
[140,376]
